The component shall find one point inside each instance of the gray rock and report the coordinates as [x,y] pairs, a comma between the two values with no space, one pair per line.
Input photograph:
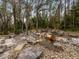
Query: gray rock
[62,39]
[23,38]
[57,44]
[2,41]
[10,42]
[5,55]
[31,39]
[11,35]
[2,48]
[35,34]
[30,53]
[60,33]
[75,41]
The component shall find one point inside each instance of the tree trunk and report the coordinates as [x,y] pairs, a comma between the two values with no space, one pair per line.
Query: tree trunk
[65,15]
[37,20]
[73,15]
[14,14]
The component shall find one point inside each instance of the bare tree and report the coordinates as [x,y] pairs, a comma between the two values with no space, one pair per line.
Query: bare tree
[27,11]
[73,13]
[65,14]
[4,17]
[14,14]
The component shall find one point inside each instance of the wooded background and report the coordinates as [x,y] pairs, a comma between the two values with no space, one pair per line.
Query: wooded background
[17,16]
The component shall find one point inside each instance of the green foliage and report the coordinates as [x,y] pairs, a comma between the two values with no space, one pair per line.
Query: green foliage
[32,23]
[43,22]
[1,7]
[7,28]
[67,22]
[71,21]
[4,28]
[18,27]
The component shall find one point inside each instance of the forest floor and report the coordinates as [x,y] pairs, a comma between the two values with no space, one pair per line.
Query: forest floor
[35,46]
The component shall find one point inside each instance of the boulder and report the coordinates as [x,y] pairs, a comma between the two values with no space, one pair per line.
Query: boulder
[2,48]
[59,33]
[2,41]
[23,38]
[30,53]
[58,46]
[33,40]
[5,55]
[62,39]
[14,52]
[75,41]
[10,42]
